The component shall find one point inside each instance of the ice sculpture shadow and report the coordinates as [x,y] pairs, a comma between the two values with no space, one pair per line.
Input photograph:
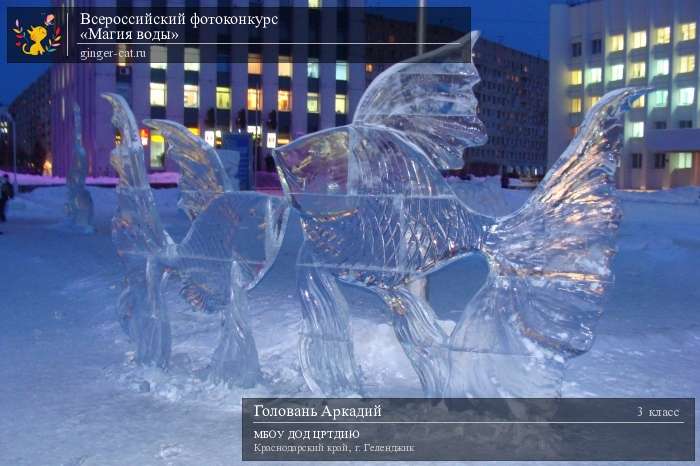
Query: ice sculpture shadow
[79,207]
[376,213]
[233,239]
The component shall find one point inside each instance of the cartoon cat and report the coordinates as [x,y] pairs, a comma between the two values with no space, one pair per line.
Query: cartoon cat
[36,35]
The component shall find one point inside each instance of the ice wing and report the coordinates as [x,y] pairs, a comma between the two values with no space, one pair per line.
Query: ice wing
[202,175]
[430,99]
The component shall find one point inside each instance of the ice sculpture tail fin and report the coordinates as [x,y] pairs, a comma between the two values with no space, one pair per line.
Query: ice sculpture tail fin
[202,175]
[556,250]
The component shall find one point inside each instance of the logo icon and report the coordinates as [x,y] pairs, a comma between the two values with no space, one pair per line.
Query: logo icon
[38,40]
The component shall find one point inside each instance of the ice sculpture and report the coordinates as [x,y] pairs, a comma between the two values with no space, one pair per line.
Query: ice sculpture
[376,213]
[79,208]
[232,241]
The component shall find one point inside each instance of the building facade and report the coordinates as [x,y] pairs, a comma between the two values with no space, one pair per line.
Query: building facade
[31,112]
[600,45]
[512,97]
[271,97]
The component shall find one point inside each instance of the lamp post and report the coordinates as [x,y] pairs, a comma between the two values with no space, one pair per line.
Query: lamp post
[7,116]
[421,26]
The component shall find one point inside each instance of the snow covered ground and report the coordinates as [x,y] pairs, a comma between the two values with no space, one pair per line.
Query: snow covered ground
[71,395]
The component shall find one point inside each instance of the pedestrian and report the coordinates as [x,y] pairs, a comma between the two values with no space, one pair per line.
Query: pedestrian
[7,192]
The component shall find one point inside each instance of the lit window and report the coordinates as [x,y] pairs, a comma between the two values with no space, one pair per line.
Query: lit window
[575,105]
[312,68]
[662,67]
[254,130]
[663,35]
[341,103]
[595,75]
[158,94]
[687,64]
[157,150]
[223,98]
[282,139]
[254,63]
[254,99]
[194,131]
[191,96]
[341,71]
[284,101]
[191,59]
[681,160]
[639,102]
[660,98]
[575,77]
[688,31]
[617,43]
[639,39]
[594,99]
[638,71]
[617,72]
[312,103]
[159,57]
[121,55]
[686,96]
[637,129]
[284,67]
[369,67]
[314,3]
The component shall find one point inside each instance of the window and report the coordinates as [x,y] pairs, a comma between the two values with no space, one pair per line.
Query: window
[158,95]
[663,35]
[686,96]
[594,99]
[575,105]
[312,103]
[284,101]
[660,98]
[636,160]
[256,131]
[659,125]
[617,72]
[312,68]
[595,75]
[685,124]
[639,70]
[159,57]
[191,59]
[284,67]
[314,3]
[341,103]
[596,46]
[254,63]
[639,102]
[191,95]
[617,43]
[681,160]
[194,131]
[223,98]
[341,71]
[662,67]
[688,31]
[639,39]
[659,160]
[575,77]
[687,64]
[637,129]
[576,49]
[157,150]
[254,99]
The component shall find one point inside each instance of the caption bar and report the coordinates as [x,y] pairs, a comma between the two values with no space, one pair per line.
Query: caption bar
[126,35]
[468,429]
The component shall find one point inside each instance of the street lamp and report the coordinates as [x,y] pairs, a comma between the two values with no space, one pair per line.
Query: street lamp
[7,116]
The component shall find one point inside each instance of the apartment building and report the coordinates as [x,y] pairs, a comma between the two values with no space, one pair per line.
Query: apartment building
[600,45]
[271,97]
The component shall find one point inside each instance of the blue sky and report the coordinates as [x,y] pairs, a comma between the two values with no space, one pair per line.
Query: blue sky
[522,24]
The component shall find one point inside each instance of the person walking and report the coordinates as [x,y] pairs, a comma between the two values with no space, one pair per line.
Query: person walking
[7,192]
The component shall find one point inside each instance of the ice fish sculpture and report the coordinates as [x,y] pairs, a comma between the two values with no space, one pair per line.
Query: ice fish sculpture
[79,207]
[376,213]
[233,239]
